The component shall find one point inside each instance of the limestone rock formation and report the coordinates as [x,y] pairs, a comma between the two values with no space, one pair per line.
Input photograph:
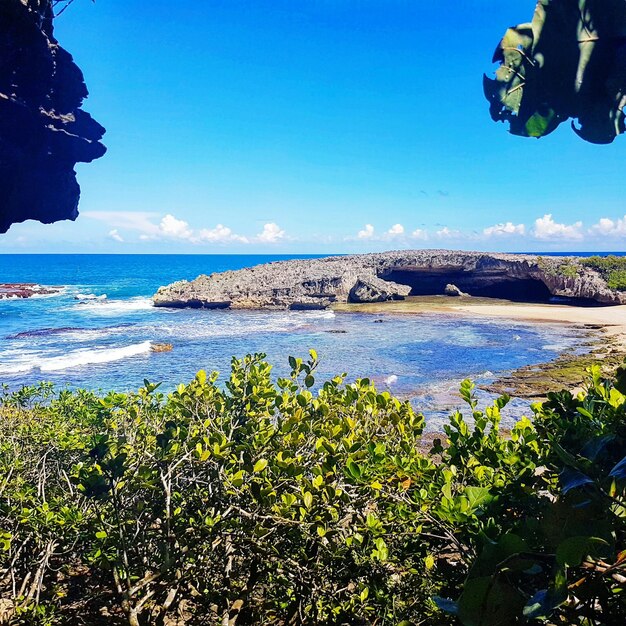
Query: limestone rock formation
[15,291]
[373,289]
[453,290]
[43,130]
[318,283]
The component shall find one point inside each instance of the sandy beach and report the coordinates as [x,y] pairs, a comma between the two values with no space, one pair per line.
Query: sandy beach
[611,318]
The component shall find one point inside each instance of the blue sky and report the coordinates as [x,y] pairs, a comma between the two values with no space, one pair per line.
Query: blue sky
[251,126]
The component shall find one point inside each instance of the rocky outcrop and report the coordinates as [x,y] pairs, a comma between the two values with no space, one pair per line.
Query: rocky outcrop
[374,289]
[19,291]
[318,283]
[453,290]
[43,130]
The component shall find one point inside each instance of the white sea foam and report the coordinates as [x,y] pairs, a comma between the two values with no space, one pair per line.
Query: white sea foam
[554,347]
[30,360]
[391,380]
[55,294]
[114,307]
[324,315]
[90,296]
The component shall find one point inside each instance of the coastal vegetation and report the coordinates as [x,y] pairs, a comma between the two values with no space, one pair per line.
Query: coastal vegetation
[294,501]
[612,268]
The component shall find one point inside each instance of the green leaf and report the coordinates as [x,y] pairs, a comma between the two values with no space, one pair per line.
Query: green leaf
[260,465]
[477,496]
[354,469]
[620,379]
[540,124]
[237,479]
[572,551]
[488,601]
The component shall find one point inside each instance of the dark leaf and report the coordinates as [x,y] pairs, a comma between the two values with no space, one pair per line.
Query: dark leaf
[573,479]
[619,471]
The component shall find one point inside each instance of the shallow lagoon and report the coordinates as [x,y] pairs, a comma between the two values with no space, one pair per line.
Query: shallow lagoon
[78,340]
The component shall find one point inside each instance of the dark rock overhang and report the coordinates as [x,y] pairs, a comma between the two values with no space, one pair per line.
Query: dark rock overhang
[43,130]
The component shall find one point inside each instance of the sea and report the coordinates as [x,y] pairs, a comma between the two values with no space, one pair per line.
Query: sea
[96,332]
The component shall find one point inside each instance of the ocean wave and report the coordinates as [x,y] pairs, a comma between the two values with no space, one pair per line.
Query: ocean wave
[72,332]
[114,307]
[28,361]
[89,296]
[324,315]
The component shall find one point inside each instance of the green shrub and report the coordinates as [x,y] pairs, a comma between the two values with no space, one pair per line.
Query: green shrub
[612,268]
[565,559]
[263,502]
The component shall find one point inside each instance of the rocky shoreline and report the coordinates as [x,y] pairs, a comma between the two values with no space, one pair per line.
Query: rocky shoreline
[14,291]
[381,277]
[567,371]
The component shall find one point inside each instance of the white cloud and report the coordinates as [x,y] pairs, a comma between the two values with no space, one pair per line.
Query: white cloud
[504,230]
[220,234]
[446,233]
[419,233]
[546,228]
[396,230]
[610,228]
[271,233]
[172,227]
[140,221]
[366,233]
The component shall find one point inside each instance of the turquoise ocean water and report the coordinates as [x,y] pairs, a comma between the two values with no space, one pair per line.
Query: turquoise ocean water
[96,333]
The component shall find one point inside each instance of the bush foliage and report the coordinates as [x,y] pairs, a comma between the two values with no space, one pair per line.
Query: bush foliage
[612,268]
[263,502]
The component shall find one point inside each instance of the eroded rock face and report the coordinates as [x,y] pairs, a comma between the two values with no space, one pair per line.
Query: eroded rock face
[43,130]
[318,283]
[373,289]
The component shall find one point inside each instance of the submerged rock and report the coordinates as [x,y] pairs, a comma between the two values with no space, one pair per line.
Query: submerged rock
[43,130]
[318,283]
[14,291]
[161,347]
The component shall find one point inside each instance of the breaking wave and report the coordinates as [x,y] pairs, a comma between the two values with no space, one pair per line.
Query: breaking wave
[114,307]
[28,361]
